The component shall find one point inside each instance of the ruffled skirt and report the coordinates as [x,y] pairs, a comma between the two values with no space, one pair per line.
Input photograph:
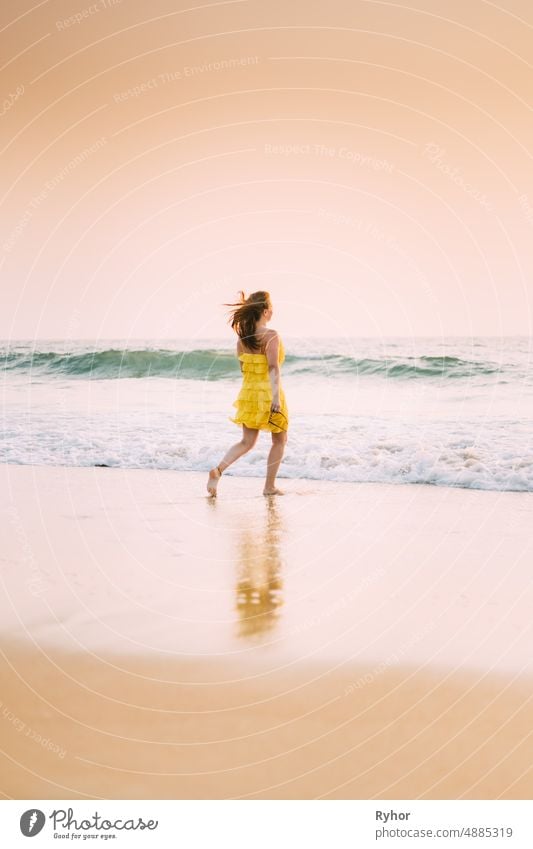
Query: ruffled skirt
[253,405]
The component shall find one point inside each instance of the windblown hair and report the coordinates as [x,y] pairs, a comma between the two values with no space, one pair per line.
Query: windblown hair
[245,315]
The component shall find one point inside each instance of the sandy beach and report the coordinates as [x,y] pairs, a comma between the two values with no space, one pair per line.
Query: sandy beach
[341,641]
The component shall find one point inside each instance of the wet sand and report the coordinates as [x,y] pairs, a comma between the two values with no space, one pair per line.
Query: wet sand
[341,641]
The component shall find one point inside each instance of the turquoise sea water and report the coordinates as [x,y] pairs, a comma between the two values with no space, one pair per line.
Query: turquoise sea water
[452,412]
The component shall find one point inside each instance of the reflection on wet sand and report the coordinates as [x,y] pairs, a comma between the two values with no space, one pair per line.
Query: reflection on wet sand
[159,660]
[259,580]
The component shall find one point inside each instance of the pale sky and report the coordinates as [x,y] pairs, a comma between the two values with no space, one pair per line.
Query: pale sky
[368,164]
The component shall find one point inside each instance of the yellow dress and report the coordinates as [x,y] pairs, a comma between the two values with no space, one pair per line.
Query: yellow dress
[255,397]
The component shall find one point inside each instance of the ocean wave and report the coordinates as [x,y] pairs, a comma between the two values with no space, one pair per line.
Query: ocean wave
[215,364]
[134,444]
[119,363]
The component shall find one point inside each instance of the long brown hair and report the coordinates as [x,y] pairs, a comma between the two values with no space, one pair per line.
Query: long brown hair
[245,315]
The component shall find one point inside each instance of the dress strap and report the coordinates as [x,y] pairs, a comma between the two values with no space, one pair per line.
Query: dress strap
[262,351]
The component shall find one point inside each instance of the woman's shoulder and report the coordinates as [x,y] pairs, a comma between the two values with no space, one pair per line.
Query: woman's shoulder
[264,339]
[269,335]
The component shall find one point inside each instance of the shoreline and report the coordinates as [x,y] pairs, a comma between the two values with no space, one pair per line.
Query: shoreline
[280,477]
[334,642]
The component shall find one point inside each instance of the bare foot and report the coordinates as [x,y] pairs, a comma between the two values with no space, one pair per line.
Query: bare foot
[212,481]
[273,491]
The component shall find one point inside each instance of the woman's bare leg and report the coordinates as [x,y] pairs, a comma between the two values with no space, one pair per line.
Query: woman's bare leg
[249,438]
[274,459]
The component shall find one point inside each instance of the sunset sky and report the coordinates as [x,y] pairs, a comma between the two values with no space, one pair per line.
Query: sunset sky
[368,163]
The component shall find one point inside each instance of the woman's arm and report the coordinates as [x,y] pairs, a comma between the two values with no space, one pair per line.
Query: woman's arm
[272,354]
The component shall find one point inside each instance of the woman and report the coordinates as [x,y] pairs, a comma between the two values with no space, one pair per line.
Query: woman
[261,403]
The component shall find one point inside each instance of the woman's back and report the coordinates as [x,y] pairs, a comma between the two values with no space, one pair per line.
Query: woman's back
[261,352]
